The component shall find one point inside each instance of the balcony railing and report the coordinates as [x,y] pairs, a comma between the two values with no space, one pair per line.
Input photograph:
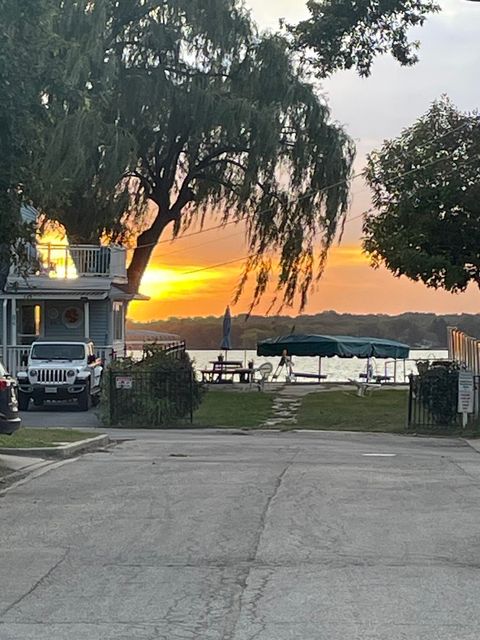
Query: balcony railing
[74,261]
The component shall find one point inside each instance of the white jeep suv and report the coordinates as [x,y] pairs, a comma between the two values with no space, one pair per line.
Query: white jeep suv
[60,370]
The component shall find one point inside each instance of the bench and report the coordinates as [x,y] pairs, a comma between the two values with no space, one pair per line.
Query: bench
[376,378]
[311,376]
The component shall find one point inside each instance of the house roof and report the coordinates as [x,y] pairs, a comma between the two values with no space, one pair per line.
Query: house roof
[75,289]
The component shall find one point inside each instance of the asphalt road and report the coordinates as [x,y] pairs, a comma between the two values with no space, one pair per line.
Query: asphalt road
[247,537]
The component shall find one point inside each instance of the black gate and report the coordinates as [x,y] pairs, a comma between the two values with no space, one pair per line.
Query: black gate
[142,399]
[433,403]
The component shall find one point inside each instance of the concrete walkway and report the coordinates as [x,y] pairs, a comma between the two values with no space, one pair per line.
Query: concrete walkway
[286,405]
[61,416]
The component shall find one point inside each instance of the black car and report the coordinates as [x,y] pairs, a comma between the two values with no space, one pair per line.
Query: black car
[9,418]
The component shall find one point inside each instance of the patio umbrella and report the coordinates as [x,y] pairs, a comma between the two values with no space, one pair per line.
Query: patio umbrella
[227,330]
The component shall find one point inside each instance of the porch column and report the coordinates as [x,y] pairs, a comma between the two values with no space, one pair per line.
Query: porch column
[86,315]
[13,337]
[5,330]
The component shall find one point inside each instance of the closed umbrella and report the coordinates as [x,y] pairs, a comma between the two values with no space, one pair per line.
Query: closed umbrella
[227,330]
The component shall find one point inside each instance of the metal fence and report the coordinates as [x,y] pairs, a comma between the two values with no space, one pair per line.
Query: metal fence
[433,403]
[145,398]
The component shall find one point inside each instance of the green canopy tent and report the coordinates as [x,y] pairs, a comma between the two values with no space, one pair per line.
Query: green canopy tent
[329,346]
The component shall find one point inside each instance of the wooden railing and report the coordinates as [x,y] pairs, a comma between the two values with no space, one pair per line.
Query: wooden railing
[464,349]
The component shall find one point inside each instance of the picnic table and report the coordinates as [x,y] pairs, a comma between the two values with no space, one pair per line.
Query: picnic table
[227,371]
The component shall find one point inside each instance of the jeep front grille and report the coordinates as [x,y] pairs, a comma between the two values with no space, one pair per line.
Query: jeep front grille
[52,376]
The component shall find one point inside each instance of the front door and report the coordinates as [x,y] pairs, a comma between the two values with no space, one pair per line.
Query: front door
[29,322]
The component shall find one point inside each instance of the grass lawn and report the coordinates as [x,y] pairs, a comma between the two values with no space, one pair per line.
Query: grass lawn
[26,438]
[231,409]
[380,411]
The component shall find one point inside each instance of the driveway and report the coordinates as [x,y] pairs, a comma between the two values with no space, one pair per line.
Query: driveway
[61,415]
[247,537]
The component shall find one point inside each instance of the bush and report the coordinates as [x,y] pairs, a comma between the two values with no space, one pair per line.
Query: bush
[164,390]
[437,389]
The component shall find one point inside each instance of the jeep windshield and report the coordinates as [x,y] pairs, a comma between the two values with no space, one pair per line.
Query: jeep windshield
[58,352]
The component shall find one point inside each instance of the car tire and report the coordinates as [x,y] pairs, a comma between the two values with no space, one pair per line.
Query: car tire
[38,402]
[23,401]
[84,400]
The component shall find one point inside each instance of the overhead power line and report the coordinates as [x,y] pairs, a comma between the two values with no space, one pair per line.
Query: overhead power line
[308,194]
[361,215]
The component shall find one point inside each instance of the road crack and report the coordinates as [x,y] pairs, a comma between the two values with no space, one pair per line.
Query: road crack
[237,603]
[37,584]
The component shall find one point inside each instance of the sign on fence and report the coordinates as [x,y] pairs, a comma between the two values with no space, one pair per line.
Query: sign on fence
[465,394]
[123,382]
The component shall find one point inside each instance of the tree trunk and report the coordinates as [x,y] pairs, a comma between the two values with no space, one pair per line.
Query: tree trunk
[146,243]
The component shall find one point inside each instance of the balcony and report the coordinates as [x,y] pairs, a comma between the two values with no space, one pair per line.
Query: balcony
[62,262]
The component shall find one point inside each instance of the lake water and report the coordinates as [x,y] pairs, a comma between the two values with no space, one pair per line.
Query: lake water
[336,369]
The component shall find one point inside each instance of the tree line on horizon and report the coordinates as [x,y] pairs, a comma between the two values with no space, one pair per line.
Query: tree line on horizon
[420,330]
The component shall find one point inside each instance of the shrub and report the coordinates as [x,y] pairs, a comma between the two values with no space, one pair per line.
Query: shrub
[164,390]
[437,389]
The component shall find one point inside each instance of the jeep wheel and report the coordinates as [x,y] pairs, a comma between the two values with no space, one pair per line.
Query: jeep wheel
[38,402]
[84,400]
[23,401]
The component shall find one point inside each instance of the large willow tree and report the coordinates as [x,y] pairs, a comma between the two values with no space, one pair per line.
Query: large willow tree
[184,105]
[25,31]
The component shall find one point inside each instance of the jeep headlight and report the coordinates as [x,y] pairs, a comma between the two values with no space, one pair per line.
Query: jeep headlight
[33,373]
[71,373]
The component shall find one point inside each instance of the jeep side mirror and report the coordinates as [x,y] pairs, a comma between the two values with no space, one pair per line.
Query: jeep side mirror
[91,359]
[24,360]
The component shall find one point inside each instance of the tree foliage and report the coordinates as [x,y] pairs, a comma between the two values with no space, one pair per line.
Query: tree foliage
[164,112]
[426,191]
[344,35]
[24,34]
[205,115]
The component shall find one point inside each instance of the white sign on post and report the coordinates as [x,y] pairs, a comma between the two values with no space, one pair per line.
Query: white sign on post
[124,382]
[465,394]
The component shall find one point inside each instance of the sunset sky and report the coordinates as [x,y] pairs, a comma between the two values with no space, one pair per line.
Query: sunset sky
[183,280]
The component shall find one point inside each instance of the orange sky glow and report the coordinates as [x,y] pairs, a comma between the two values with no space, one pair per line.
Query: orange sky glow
[182,287]
[184,278]
[372,110]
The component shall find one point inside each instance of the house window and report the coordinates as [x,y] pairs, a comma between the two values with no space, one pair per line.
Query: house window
[118,321]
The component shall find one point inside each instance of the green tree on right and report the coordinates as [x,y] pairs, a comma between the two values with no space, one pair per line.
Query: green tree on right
[426,196]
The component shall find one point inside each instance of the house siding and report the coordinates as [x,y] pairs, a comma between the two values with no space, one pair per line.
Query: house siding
[100,322]
[55,326]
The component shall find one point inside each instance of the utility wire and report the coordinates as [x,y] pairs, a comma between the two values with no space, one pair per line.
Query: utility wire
[307,195]
[361,215]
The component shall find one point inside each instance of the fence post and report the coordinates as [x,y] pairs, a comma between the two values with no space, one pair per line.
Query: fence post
[191,397]
[110,397]
[410,399]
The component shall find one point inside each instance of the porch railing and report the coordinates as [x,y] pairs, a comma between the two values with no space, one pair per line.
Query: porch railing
[66,262]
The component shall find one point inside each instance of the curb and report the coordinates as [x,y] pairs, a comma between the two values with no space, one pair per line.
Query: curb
[474,444]
[64,451]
